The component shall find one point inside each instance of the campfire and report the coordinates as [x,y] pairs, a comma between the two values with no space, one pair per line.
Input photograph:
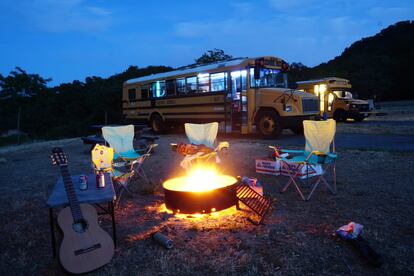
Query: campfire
[202,190]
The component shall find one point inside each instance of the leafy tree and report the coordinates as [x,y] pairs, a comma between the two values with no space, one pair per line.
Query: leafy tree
[298,72]
[19,83]
[212,56]
[379,66]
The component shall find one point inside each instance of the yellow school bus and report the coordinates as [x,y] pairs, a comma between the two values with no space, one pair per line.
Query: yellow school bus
[244,94]
[335,98]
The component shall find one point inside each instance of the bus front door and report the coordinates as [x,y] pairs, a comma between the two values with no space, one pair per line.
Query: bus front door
[238,99]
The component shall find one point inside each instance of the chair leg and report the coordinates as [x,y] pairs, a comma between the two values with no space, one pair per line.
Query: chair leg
[292,180]
[325,182]
[314,188]
[299,191]
[334,176]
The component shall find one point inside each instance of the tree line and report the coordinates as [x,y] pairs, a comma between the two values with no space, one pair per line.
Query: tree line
[377,66]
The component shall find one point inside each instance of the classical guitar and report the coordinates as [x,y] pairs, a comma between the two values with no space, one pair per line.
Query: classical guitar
[85,246]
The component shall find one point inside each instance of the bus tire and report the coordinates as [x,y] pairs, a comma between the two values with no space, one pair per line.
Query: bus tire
[157,124]
[340,115]
[358,118]
[269,124]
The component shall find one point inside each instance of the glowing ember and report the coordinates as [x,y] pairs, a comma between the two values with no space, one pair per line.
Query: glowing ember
[199,180]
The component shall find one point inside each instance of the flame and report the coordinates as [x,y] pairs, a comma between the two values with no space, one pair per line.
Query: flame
[200,179]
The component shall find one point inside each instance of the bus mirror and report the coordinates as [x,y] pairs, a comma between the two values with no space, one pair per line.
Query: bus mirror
[285,67]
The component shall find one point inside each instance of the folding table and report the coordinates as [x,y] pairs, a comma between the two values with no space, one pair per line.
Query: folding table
[93,195]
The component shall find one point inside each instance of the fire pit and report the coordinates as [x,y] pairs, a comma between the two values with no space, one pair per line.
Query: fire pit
[203,191]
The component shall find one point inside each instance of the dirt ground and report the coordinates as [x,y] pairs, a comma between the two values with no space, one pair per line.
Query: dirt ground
[375,188]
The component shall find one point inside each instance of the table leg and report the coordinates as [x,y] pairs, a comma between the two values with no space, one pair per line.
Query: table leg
[52,232]
[113,222]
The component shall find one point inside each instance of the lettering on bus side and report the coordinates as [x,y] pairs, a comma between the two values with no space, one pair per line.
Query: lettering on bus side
[165,102]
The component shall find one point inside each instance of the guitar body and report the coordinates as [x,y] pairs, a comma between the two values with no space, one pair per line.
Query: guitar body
[86,248]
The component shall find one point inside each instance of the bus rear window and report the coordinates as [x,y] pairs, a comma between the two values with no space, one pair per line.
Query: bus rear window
[132,94]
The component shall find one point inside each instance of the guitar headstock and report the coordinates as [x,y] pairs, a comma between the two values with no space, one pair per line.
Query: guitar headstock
[58,157]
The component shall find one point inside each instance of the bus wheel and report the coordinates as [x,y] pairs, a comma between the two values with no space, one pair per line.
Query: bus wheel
[340,115]
[358,118]
[269,124]
[157,124]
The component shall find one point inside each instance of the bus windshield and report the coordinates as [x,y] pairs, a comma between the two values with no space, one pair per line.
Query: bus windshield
[343,94]
[269,78]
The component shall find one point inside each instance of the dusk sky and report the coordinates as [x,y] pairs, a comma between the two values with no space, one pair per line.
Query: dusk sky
[72,39]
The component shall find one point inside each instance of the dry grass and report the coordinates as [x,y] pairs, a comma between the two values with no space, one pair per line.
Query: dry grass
[374,189]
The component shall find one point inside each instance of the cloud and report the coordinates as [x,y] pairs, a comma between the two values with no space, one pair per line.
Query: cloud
[61,16]
[391,12]
[242,7]
[290,5]
[210,29]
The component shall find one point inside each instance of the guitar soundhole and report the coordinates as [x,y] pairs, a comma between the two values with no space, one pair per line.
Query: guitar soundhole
[80,226]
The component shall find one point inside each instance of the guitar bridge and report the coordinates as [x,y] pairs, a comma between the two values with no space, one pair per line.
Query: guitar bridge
[86,250]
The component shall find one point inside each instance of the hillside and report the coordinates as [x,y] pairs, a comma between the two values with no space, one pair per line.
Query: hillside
[379,66]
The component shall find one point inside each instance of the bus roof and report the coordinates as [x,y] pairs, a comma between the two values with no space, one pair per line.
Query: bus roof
[329,79]
[193,69]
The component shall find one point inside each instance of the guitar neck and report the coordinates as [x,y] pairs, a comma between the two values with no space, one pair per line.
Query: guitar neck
[71,194]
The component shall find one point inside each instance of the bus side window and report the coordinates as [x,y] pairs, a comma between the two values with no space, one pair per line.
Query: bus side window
[181,86]
[132,95]
[238,81]
[144,92]
[191,84]
[170,87]
[218,82]
[158,89]
[203,83]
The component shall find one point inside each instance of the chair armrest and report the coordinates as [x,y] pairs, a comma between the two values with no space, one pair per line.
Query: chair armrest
[292,151]
[332,155]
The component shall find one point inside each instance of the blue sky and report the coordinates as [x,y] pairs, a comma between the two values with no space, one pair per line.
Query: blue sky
[73,39]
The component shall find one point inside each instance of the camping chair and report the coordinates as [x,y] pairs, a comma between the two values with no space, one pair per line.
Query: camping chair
[319,137]
[122,173]
[203,134]
[121,139]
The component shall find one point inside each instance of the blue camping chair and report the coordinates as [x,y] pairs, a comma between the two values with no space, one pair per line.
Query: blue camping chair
[319,137]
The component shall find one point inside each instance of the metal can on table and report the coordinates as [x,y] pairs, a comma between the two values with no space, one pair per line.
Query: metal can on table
[83,182]
[101,180]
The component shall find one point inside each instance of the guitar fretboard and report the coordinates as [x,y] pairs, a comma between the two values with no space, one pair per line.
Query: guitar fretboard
[70,192]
